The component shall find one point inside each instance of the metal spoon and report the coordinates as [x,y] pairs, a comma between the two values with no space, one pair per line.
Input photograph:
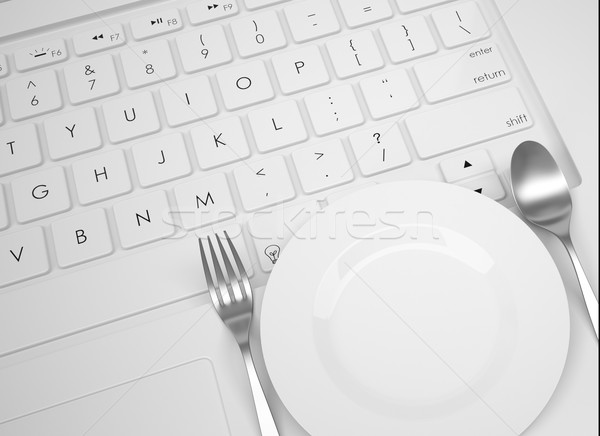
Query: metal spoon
[542,194]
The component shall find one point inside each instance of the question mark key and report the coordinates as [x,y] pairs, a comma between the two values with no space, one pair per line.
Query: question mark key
[379,150]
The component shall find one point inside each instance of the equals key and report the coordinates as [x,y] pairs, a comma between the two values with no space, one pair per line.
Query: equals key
[359,13]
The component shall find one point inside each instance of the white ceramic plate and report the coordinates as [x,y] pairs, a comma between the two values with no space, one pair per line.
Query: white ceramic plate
[426,309]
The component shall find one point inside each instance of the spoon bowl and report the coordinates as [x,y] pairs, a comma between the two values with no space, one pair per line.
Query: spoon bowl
[540,188]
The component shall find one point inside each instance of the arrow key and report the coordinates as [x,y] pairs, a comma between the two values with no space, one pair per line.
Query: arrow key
[488,185]
[466,165]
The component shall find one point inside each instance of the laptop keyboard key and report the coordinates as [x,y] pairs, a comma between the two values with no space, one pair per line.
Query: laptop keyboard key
[82,238]
[300,69]
[458,73]
[98,39]
[156,24]
[130,117]
[466,165]
[389,94]
[488,185]
[311,19]
[148,63]
[264,183]
[42,54]
[322,166]
[188,100]
[277,126]
[19,149]
[358,13]
[101,176]
[220,142]
[91,79]
[408,39]
[143,219]
[354,54]
[203,11]
[204,201]
[203,49]
[464,123]
[23,255]
[72,133]
[245,85]
[159,160]
[460,24]
[36,94]
[258,34]
[333,110]
[379,149]
[41,194]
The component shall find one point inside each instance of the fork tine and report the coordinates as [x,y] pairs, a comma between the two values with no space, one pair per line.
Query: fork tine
[240,266]
[222,284]
[233,280]
[214,295]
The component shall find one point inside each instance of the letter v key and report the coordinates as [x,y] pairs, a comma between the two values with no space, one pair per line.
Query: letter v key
[17,258]
[23,255]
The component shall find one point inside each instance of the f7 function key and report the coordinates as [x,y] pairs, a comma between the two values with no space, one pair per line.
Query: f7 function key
[98,39]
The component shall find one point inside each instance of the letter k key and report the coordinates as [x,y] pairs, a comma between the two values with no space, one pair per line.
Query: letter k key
[218,140]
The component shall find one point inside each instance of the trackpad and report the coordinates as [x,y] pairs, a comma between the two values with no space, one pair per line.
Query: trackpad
[183,400]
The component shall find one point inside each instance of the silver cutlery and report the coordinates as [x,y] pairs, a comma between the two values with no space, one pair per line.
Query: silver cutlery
[542,194]
[232,297]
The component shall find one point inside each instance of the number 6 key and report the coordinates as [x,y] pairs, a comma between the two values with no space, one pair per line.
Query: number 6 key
[33,95]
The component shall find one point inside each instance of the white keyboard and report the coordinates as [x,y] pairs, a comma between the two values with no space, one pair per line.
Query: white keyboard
[122,138]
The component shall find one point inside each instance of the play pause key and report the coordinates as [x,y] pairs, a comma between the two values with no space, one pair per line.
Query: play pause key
[156,24]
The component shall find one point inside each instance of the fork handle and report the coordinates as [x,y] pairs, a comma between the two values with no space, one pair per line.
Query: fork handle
[265,418]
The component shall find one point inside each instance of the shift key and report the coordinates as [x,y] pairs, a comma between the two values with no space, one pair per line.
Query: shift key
[468,122]
[460,73]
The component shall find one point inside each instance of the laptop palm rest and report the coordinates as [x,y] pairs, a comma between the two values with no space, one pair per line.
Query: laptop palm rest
[181,400]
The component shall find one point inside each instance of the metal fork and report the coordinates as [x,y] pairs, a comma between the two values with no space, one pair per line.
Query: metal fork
[232,298]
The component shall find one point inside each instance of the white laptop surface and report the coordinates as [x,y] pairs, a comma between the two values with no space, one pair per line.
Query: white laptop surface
[169,365]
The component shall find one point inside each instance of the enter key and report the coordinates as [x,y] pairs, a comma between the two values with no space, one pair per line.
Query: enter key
[462,72]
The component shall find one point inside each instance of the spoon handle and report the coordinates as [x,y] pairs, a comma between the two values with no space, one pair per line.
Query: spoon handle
[588,294]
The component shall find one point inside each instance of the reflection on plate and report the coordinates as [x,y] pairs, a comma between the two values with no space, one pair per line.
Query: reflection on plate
[446,316]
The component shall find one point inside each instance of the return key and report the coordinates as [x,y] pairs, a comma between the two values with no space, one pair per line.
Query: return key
[462,72]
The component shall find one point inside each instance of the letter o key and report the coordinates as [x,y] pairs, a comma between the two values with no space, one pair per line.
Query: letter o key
[243,83]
